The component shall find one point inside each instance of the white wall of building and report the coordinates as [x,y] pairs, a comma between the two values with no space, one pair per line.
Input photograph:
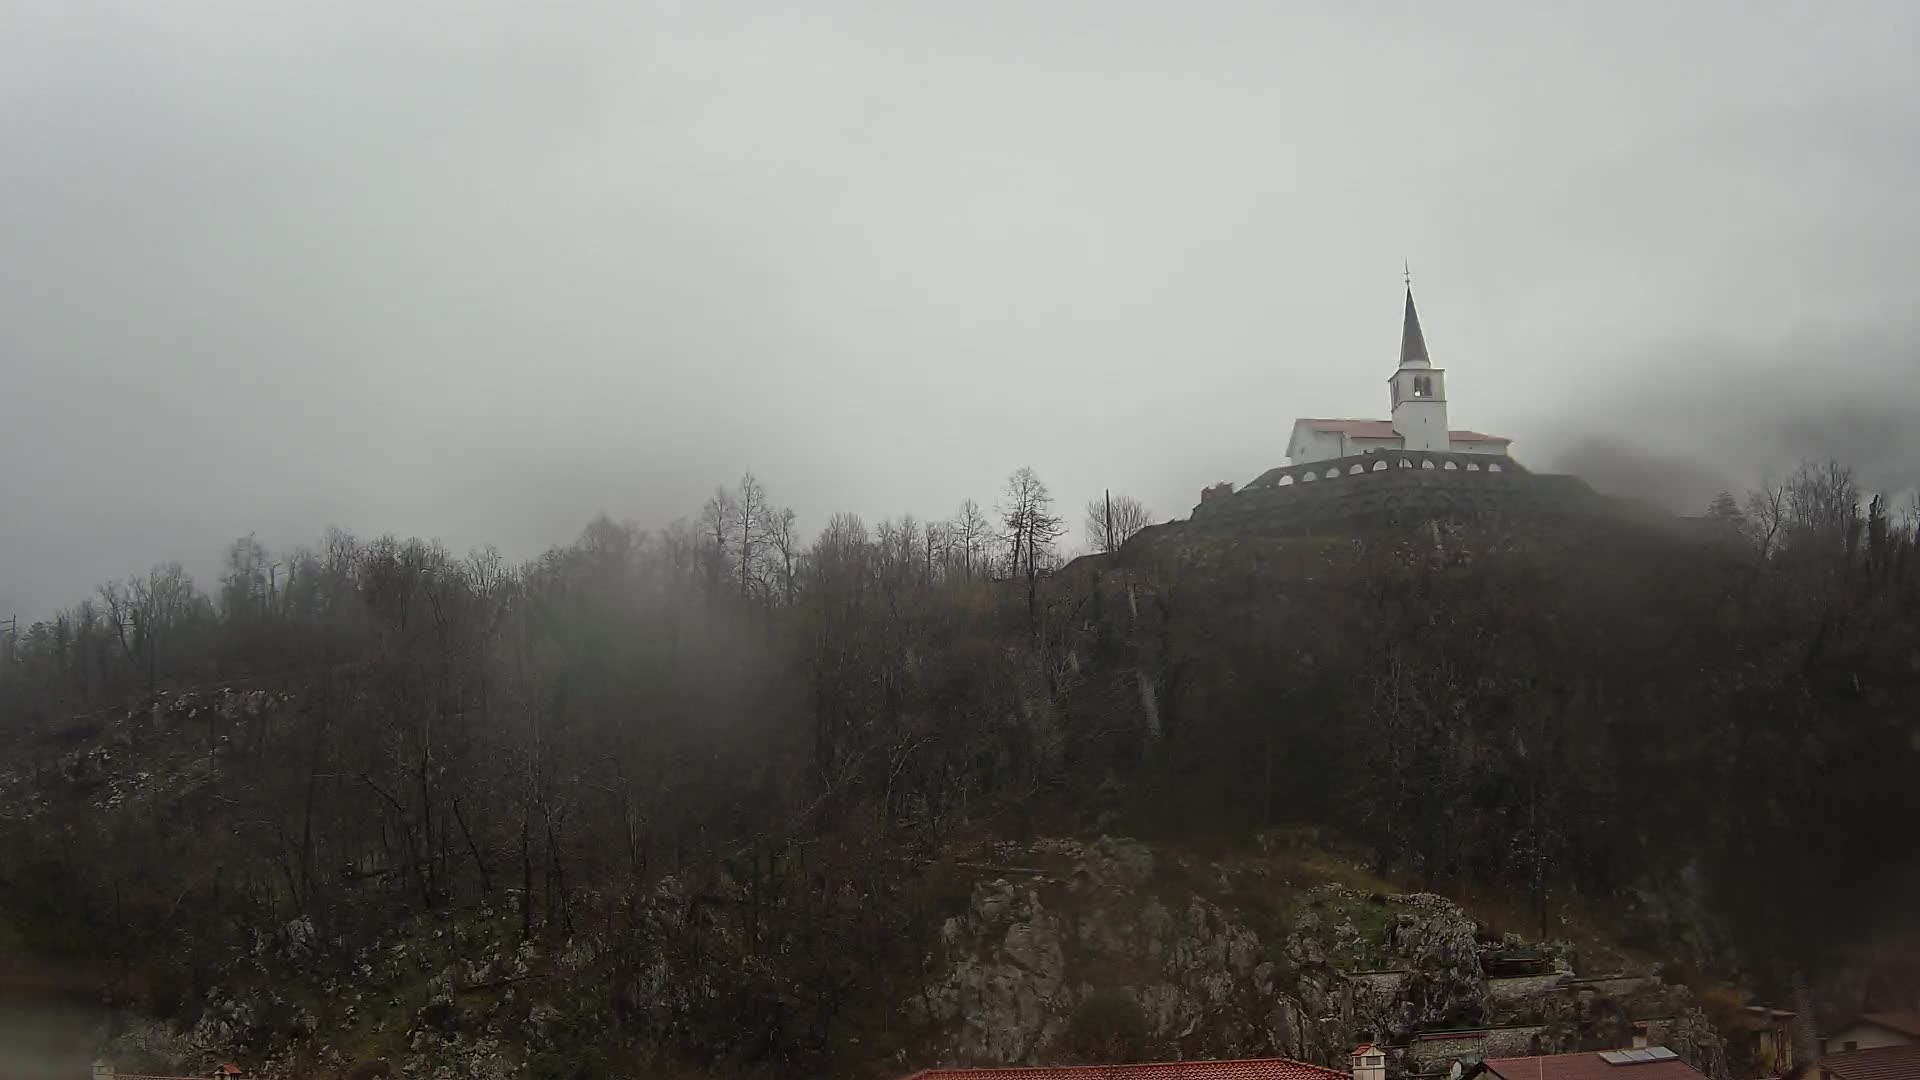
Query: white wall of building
[1371,446]
[1866,1036]
[1309,444]
[1422,424]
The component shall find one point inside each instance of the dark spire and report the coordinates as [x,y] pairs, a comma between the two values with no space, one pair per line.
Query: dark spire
[1413,344]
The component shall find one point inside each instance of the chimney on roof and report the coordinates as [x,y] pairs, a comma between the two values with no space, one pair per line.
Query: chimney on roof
[103,1070]
[1369,1062]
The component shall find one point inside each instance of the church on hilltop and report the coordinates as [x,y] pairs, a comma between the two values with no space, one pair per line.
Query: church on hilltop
[1419,417]
[1409,468]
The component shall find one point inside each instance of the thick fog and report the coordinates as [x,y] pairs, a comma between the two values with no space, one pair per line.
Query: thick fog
[477,270]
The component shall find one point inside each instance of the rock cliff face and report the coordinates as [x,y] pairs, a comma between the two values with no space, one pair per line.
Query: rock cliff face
[1018,965]
[1223,959]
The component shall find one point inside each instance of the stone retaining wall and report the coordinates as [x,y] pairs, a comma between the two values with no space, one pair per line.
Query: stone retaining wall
[1615,986]
[1511,988]
[1431,1053]
[1386,492]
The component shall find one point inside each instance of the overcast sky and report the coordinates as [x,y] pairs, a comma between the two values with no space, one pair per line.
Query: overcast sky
[477,270]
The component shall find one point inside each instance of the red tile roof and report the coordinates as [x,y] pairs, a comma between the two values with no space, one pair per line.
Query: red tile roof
[1247,1069]
[1383,429]
[1589,1065]
[1879,1063]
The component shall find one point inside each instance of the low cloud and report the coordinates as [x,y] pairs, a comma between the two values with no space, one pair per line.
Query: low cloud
[1691,419]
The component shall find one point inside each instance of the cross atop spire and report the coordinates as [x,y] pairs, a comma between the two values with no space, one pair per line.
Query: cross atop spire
[1413,344]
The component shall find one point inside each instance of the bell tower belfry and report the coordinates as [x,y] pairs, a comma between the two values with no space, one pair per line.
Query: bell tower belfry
[1419,390]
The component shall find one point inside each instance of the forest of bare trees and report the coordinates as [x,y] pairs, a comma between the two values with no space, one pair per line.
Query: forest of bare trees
[791,732]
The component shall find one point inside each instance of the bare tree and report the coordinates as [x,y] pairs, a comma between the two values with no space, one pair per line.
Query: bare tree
[1766,515]
[1031,527]
[969,531]
[1823,501]
[716,532]
[783,542]
[749,510]
[936,546]
[841,563]
[906,538]
[244,585]
[153,609]
[1112,521]
[681,544]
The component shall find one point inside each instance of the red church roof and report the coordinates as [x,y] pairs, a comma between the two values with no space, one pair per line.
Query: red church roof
[1383,429]
[1246,1069]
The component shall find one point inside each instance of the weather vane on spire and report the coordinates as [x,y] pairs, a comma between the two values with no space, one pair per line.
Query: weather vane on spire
[1407,267]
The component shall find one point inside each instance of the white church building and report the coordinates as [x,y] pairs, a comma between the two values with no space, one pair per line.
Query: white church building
[1419,417]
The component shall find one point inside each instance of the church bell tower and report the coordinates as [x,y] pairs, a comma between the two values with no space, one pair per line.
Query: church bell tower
[1419,390]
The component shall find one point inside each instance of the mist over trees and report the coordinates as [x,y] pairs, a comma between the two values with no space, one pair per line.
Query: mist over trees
[777,738]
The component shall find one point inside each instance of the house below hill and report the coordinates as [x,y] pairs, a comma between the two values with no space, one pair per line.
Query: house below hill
[1365,1068]
[1895,1062]
[1870,1031]
[1649,1063]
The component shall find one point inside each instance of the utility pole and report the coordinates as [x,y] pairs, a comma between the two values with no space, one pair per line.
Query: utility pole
[1108,539]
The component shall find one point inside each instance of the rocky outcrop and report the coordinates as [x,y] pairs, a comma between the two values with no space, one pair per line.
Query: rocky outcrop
[1016,966]
[257,1025]
[1447,988]
[1005,977]
[1179,940]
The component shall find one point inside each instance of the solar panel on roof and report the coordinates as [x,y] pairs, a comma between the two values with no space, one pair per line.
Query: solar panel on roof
[1614,1057]
[1661,1053]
